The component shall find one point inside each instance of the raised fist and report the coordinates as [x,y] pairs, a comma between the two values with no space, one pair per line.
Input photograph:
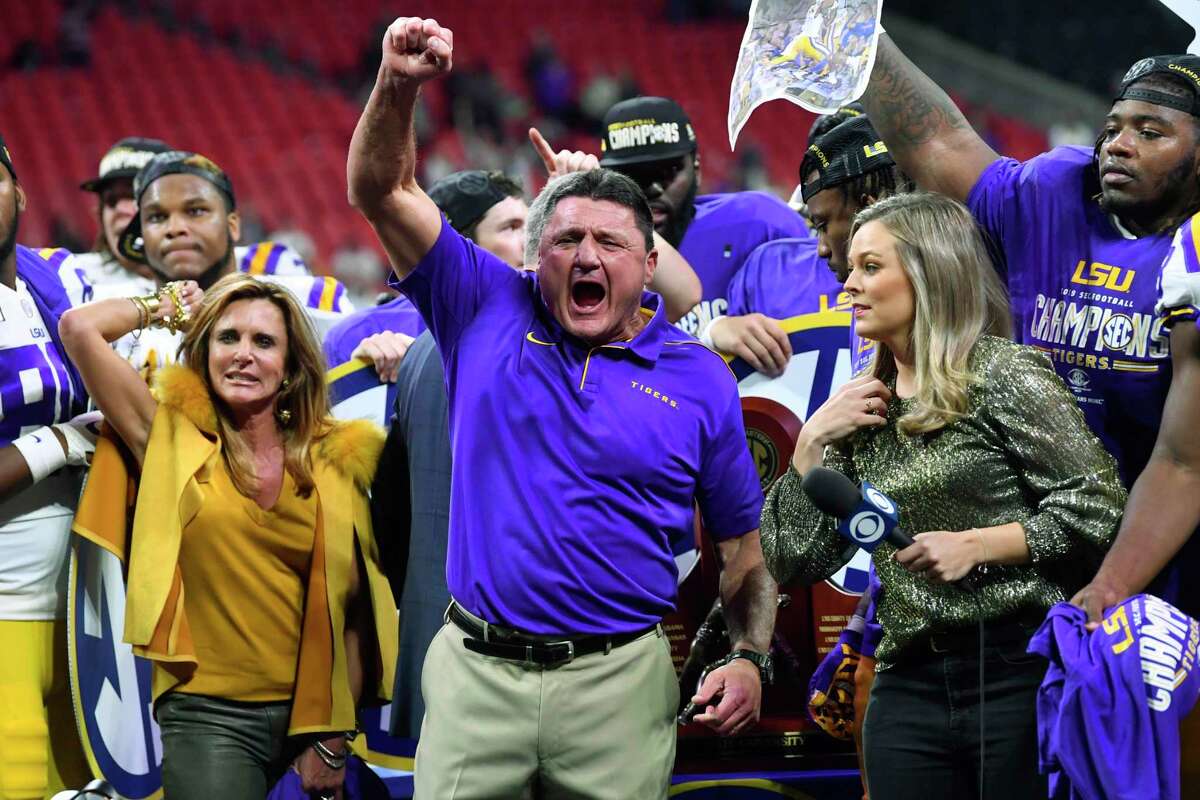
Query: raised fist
[417,49]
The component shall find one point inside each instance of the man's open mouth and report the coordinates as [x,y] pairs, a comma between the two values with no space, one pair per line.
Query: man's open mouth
[587,295]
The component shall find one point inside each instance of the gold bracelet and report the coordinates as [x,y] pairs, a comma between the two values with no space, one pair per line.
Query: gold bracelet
[144,311]
[147,307]
[141,312]
[983,565]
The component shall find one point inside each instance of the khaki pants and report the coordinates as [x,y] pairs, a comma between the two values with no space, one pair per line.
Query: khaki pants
[601,726]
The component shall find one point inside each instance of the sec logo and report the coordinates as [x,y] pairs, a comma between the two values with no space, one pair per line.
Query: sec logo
[766,455]
[110,686]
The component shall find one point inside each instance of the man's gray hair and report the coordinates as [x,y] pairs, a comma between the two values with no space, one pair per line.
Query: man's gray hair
[597,184]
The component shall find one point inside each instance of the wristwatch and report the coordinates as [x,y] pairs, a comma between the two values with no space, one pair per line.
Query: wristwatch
[766,667]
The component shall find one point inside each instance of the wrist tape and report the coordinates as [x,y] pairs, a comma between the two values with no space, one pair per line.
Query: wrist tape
[42,452]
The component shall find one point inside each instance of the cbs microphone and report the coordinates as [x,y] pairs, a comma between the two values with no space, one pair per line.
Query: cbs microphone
[867,517]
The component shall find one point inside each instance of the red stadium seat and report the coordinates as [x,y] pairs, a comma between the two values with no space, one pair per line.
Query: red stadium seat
[283,137]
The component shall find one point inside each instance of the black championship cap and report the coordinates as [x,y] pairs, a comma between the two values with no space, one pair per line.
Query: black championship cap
[123,160]
[827,122]
[838,156]
[6,158]
[645,129]
[172,162]
[464,197]
[1186,67]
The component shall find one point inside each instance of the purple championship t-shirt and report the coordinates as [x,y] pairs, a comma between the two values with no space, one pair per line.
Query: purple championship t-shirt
[574,467]
[725,230]
[398,314]
[1083,291]
[1110,705]
[786,278]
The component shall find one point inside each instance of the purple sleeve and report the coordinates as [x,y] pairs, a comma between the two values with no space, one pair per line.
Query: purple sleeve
[740,301]
[1021,206]
[729,491]
[782,221]
[995,202]
[449,285]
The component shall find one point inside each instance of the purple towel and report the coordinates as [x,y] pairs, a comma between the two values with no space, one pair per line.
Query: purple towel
[1110,705]
[361,784]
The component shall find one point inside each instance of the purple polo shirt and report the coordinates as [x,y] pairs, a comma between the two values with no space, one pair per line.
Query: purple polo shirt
[574,467]
[725,230]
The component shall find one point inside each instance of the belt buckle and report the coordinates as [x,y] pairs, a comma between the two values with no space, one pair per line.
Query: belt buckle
[570,645]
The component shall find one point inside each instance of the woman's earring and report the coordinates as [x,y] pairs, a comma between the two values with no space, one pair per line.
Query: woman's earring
[283,415]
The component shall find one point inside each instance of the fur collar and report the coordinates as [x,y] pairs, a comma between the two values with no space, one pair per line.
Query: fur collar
[352,447]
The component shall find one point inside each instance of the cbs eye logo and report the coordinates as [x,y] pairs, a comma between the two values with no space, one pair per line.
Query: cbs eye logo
[879,500]
[866,527]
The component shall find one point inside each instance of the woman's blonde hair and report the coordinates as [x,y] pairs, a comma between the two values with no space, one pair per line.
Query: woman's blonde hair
[957,297]
[303,395]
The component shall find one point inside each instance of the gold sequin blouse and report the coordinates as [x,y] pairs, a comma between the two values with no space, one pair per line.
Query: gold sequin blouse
[1022,453]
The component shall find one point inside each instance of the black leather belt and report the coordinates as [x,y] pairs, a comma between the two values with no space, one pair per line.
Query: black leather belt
[997,633]
[513,646]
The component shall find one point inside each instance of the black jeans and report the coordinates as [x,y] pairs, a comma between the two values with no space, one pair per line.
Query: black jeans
[921,733]
[218,748]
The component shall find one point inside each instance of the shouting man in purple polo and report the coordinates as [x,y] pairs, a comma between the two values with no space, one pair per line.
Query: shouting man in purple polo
[583,428]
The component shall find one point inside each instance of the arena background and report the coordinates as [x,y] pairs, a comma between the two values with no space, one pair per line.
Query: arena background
[271,90]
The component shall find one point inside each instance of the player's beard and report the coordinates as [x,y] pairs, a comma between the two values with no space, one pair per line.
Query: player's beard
[1151,214]
[677,223]
[10,241]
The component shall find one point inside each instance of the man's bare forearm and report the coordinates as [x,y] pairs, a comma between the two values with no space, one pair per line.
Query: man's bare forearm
[381,166]
[1162,513]
[928,136]
[1164,506]
[383,150]
[15,476]
[675,280]
[748,593]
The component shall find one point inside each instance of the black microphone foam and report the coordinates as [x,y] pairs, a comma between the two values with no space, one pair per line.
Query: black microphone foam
[831,492]
[836,495]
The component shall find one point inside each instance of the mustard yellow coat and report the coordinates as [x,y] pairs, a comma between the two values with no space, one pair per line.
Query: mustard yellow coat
[179,456]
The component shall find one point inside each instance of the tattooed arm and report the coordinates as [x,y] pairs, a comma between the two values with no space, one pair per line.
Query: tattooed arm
[926,133]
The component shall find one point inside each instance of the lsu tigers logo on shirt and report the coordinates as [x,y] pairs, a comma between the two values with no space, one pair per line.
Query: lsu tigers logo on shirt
[1115,279]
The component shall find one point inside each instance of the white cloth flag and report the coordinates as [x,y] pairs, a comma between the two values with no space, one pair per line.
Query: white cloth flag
[816,53]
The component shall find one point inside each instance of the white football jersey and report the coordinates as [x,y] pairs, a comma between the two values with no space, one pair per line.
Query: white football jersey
[35,524]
